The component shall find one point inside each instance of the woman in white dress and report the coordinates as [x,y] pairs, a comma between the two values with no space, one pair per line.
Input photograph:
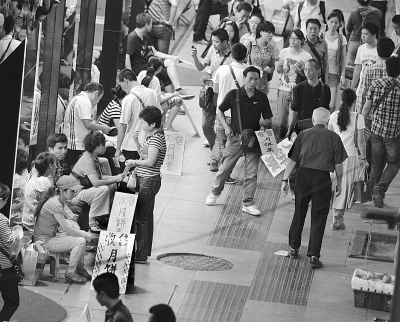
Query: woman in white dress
[343,122]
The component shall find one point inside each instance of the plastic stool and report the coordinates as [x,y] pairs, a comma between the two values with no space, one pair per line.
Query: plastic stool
[55,265]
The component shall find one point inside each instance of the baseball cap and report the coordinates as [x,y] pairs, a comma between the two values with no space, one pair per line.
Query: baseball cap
[67,182]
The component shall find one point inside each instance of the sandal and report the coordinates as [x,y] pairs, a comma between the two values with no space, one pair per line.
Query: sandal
[83,272]
[74,277]
[94,228]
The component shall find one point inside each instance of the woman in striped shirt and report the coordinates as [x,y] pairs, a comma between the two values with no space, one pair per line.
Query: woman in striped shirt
[149,179]
[9,279]
[112,112]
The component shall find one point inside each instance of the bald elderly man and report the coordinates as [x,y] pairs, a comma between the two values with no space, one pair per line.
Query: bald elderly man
[318,151]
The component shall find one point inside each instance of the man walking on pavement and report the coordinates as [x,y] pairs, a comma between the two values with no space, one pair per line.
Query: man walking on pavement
[250,110]
[317,151]
[384,99]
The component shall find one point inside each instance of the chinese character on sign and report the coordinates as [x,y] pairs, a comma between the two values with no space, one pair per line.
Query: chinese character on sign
[179,140]
[123,240]
[170,157]
[272,164]
[281,157]
[167,138]
[110,239]
[168,165]
[121,222]
[113,256]
[111,268]
[171,148]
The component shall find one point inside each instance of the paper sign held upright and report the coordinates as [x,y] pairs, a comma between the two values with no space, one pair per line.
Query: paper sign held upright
[173,161]
[276,162]
[122,212]
[267,141]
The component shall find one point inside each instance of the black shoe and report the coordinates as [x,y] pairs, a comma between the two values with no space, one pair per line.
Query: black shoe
[294,253]
[376,195]
[315,262]
[140,261]
[230,180]
[213,167]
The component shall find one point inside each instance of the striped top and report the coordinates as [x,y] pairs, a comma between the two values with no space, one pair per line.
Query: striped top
[6,240]
[79,109]
[157,140]
[111,112]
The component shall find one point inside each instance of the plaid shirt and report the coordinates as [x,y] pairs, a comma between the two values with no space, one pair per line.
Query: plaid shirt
[371,73]
[214,59]
[386,118]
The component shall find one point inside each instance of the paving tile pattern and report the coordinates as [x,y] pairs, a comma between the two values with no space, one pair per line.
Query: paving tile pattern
[236,229]
[207,301]
[281,279]
[195,262]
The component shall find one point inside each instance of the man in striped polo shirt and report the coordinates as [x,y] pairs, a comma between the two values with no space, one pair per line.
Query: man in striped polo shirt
[78,120]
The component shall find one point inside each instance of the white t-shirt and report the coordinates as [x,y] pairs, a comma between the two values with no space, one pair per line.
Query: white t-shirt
[396,40]
[154,84]
[347,136]
[131,108]
[332,51]
[225,81]
[79,109]
[4,44]
[289,78]
[366,57]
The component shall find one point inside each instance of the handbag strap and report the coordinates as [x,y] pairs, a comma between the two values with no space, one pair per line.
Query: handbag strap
[322,99]
[251,45]
[356,134]
[9,257]
[238,111]
[317,56]
[387,92]
[5,52]
[234,77]
[225,57]
[140,100]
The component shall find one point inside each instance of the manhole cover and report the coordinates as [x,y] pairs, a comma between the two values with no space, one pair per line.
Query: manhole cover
[195,262]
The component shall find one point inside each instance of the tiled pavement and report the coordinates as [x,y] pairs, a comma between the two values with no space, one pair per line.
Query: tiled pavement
[261,286]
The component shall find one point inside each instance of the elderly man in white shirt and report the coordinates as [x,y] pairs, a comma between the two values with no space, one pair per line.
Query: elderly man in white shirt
[7,43]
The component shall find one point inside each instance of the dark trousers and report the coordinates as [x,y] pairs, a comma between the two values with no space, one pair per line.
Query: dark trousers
[208,121]
[206,9]
[315,186]
[368,145]
[9,292]
[382,6]
[144,217]
[72,157]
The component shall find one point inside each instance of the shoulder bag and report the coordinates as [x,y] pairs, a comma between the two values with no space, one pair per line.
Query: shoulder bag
[247,137]
[307,123]
[356,136]
[207,93]
[318,57]
[140,100]
[14,264]
[383,97]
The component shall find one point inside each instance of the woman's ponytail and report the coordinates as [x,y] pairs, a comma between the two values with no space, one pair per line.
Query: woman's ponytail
[348,98]
[149,76]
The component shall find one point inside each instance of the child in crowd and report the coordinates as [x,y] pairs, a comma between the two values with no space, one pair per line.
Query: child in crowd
[107,294]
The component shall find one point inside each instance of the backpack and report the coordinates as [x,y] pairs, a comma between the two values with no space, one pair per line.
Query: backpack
[321,11]
[363,15]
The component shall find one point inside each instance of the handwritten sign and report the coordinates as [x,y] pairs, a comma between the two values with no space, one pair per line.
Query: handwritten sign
[114,253]
[122,212]
[173,161]
[276,162]
[85,316]
[267,141]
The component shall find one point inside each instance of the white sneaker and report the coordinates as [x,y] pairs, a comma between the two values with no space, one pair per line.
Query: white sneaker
[206,144]
[211,199]
[251,210]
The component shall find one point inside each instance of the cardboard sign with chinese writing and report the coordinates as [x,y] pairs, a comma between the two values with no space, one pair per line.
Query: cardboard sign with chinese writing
[276,162]
[114,253]
[122,212]
[173,161]
[85,316]
[267,141]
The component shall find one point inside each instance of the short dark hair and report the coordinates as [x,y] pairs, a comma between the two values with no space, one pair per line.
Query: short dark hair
[299,34]
[118,92]
[151,114]
[93,140]
[396,19]
[9,24]
[364,2]
[372,28]
[244,6]
[127,74]
[385,47]
[315,62]
[142,19]
[239,51]
[94,87]
[4,191]
[22,161]
[55,138]
[334,14]
[24,135]
[162,313]
[265,26]
[313,21]
[393,66]
[222,34]
[41,11]
[108,283]
[64,81]
[258,15]
[251,69]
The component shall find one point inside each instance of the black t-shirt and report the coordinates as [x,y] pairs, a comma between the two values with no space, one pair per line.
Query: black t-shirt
[139,50]
[306,98]
[251,109]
